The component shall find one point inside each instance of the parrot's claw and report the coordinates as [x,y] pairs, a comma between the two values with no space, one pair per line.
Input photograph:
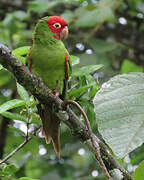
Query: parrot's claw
[40,80]
[56,92]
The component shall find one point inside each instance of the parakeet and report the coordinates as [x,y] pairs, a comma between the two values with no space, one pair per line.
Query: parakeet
[49,59]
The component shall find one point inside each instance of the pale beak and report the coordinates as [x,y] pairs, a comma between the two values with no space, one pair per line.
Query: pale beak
[64,33]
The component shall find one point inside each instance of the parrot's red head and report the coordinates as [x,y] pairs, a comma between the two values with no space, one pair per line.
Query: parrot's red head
[58,26]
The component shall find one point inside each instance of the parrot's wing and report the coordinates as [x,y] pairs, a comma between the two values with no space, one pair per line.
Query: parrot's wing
[68,66]
[68,72]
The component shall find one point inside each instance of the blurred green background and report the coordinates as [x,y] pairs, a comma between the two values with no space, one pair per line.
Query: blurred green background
[108,32]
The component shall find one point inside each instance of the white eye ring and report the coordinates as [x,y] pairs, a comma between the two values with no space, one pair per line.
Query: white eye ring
[57,25]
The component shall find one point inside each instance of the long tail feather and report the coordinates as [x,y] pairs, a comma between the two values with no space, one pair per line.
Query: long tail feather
[51,128]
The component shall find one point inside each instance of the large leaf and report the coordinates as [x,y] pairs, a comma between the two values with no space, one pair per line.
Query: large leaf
[23,93]
[119,108]
[139,172]
[11,104]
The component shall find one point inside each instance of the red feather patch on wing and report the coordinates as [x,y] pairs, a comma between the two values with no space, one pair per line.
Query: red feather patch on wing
[66,68]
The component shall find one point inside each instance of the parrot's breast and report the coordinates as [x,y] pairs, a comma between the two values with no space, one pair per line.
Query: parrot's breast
[48,63]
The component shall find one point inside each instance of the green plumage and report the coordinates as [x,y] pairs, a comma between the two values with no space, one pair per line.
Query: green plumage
[47,59]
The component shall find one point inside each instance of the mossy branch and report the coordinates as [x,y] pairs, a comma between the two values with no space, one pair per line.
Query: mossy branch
[45,96]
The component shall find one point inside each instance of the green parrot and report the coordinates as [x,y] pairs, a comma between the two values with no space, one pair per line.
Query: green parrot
[49,59]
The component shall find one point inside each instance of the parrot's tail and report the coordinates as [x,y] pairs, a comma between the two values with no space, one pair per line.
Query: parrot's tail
[50,128]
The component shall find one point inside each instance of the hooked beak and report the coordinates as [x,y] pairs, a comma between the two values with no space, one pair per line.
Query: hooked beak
[64,32]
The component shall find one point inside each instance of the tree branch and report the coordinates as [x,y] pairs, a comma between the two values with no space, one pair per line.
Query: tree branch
[45,96]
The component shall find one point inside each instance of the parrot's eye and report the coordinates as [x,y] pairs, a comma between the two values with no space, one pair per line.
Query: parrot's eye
[57,25]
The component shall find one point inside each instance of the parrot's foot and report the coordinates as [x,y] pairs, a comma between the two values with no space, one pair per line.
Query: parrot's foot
[40,80]
[56,92]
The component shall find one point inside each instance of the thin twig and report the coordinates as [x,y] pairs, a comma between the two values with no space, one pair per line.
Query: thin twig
[15,150]
[94,30]
[19,147]
[92,137]
[28,122]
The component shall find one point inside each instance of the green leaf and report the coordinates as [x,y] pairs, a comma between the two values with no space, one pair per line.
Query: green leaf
[89,59]
[21,15]
[93,91]
[75,60]
[119,108]
[11,104]
[4,173]
[5,77]
[37,6]
[139,172]
[23,93]
[17,130]
[67,15]
[90,112]
[102,46]
[95,87]
[21,58]
[10,23]
[41,6]
[1,67]
[85,70]
[14,116]
[36,121]
[11,168]
[138,156]
[96,16]
[79,91]
[129,66]
[27,178]
[20,52]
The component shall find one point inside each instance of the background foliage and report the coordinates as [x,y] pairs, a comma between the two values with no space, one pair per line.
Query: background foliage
[108,32]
